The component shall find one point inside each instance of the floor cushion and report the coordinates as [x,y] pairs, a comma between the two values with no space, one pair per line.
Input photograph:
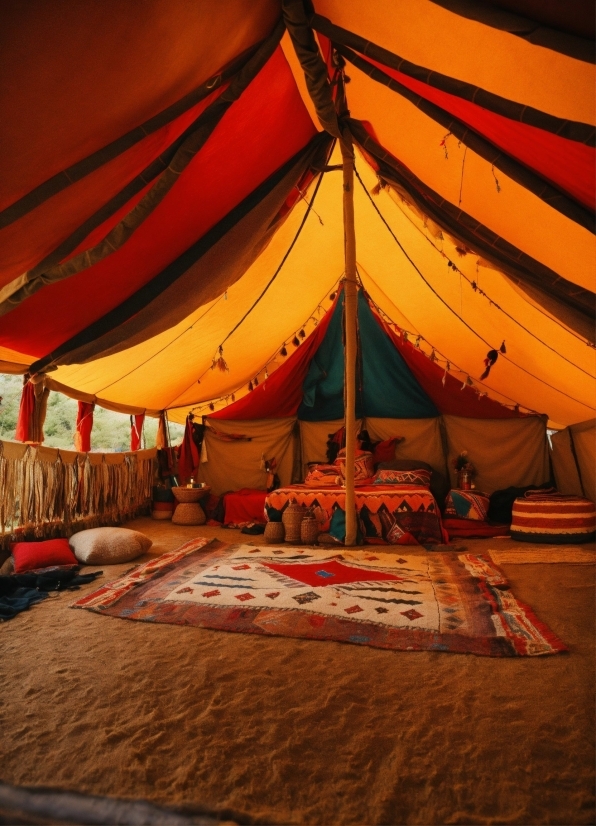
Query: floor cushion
[556,519]
[244,506]
[108,546]
[31,556]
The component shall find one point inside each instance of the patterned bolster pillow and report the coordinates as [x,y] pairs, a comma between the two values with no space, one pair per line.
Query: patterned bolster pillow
[364,466]
[467,504]
[418,476]
[560,520]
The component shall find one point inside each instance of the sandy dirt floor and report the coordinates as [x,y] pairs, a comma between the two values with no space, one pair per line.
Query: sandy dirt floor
[298,731]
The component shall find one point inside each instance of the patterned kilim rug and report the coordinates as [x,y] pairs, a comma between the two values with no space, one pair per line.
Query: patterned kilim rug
[438,602]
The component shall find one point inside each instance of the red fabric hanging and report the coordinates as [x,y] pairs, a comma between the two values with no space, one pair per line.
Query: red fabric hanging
[188,459]
[82,438]
[136,431]
[24,432]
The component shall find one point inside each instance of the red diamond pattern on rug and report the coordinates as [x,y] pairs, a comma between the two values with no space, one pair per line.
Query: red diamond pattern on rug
[273,594]
[215,593]
[185,591]
[329,573]
[355,609]
[240,567]
[244,597]
[412,614]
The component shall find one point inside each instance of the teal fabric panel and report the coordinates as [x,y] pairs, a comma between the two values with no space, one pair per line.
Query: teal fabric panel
[385,387]
[323,388]
[389,390]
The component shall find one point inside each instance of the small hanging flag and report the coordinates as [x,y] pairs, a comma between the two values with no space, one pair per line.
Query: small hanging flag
[502,348]
[283,352]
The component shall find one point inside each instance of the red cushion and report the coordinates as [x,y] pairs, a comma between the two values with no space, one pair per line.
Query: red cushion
[31,555]
[385,451]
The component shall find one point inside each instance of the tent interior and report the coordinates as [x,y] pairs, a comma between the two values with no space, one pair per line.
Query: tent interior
[174,242]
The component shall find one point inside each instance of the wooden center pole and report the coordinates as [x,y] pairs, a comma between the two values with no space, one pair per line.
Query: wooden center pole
[350,312]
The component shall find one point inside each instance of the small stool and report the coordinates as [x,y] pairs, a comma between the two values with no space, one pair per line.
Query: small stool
[558,520]
[188,510]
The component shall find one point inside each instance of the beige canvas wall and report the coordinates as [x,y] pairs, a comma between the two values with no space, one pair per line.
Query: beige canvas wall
[505,452]
[422,439]
[237,464]
[575,477]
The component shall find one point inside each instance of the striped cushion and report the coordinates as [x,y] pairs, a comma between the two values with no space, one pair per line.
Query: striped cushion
[556,519]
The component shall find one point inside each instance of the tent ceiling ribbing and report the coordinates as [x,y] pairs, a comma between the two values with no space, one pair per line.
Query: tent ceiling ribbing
[148,201]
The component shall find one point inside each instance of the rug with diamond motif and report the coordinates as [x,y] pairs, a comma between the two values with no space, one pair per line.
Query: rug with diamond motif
[438,601]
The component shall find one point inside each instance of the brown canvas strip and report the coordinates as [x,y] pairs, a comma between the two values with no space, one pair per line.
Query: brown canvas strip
[315,71]
[62,180]
[170,165]
[519,173]
[572,130]
[199,275]
[58,387]
[577,302]
[557,39]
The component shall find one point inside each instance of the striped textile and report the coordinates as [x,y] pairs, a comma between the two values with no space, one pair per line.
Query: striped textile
[553,518]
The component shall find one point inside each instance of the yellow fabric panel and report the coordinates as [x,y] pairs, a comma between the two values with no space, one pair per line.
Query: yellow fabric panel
[392,281]
[313,440]
[584,440]
[516,214]
[422,439]
[505,452]
[564,466]
[163,371]
[426,34]
[235,465]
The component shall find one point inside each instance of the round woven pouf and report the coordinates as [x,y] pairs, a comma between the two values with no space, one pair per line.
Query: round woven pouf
[292,517]
[309,530]
[274,532]
[188,510]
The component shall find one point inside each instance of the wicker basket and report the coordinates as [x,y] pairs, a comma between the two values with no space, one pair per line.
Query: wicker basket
[189,513]
[274,532]
[292,517]
[309,530]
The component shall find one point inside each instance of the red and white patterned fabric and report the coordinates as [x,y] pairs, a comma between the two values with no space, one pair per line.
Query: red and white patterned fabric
[322,476]
[553,518]
[419,476]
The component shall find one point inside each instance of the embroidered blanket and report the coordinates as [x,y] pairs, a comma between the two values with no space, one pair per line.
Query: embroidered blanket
[389,514]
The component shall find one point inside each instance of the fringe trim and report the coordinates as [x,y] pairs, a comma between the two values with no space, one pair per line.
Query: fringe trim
[40,499]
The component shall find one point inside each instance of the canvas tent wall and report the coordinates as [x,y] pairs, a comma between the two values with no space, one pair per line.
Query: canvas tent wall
[168,203]
[399,393]
[574,459]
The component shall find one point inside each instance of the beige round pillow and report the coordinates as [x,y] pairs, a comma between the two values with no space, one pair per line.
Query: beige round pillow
[108,546]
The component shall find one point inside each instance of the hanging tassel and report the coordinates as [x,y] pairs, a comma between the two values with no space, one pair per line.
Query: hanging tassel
[283,352]
[211,406]
[302,334]
[502,348]
[433,355]
[233,397]
[296,341]
[444,378]
[250,387]
[418,341]
[405,335]
[266,373]
[256,381]
[332,296]
[490,359]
